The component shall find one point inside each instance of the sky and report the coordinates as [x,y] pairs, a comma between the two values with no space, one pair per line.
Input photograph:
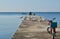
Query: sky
[29,5]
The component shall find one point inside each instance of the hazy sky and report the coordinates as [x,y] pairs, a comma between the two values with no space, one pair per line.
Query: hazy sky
[29,5]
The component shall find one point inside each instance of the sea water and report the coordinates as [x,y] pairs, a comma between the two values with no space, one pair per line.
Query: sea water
[10,21]
[9,24]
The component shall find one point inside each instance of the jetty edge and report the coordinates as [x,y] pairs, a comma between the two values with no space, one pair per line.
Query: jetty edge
[34,27]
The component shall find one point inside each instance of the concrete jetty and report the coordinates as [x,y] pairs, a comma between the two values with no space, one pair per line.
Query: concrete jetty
[34,27]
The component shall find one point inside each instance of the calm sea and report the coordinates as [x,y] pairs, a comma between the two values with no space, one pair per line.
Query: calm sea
[10,21]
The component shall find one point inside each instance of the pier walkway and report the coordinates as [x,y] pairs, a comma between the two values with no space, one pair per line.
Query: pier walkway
[34,27]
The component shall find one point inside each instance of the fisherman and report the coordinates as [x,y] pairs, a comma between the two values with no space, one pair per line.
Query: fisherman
[30,16]
[30,13]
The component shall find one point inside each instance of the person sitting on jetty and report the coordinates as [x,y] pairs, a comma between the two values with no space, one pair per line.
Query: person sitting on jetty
[34,14]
